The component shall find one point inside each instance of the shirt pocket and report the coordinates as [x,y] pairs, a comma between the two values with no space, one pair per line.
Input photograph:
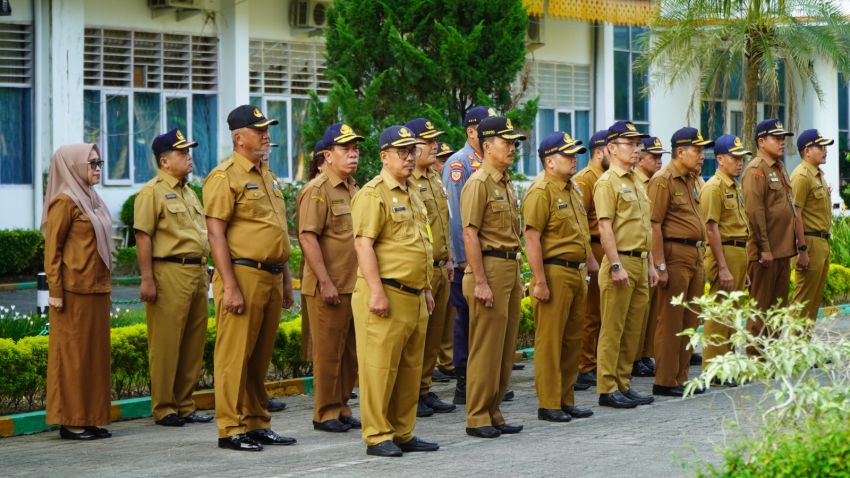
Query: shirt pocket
[402,224]
[255,203]
[819,193]
[178,212]
[730,203]
[627,203]
[341,218]
[499,214]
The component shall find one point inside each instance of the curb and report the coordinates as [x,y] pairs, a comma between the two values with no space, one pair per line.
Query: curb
[130,408]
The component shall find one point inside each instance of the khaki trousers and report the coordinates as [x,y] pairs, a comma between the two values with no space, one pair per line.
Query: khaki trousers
[593,321]
[768,286]
[389,358]
[243,350]
[623,314]
[177,330]
[686,276]
[736,260]
[439,321]
[492,341]
[558,326]
[334,356]
[444,357]
[809,284]
[646,347]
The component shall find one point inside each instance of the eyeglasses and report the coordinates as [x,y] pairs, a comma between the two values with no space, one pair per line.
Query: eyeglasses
[95,165]
[403,153]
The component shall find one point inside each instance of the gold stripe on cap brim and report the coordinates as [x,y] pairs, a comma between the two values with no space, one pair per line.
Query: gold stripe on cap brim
[779,132]
[511,135]
[572,149]
[404,142]
[657,151]
[184,144]
[347,138]
[431,134]
[824,141]
[704,143]
[739,154]
[263,124]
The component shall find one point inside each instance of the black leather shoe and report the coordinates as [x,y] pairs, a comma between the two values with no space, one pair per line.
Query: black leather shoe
[100,432]
[86,434]
[483,432]
[728,383]
[696,359]
[586,378]
[460,387]
[386,448]
[509,395]
[433,402]
[423,410]
[415,444]
[667,391]
[698,390]
[648,363]
[638,398]
[332,425]
[549,415]
[275,405]
[196,417]
[577,412]
[353,395]
[351,421]
[580,387]
[240,442]
[171,420]
[519,366]
[616,400]
[506,429]
[639,369]
[267,437]
[438,376]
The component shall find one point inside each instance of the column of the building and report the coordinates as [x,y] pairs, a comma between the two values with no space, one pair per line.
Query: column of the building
[233,85]
[603,72]
[669,107]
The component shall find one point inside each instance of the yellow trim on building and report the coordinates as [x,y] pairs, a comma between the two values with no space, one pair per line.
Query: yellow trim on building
[618,12]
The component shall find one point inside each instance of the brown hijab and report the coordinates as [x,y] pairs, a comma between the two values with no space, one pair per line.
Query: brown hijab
[69,175]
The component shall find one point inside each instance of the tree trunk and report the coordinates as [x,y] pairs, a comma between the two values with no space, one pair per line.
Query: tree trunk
[752,62]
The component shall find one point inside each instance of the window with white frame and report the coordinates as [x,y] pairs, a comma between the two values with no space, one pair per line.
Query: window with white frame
[565,94]
[843,135]
[629,101]
[16,58]
[139,84]
[282,75]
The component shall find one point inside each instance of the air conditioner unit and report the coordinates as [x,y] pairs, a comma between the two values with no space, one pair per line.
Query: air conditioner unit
[534,35]
[182,4]
[308,14]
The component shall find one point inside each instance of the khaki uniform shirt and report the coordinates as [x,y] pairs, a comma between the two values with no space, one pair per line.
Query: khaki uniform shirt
[643,178]
[770,212]
[397,220]
[585,180]
[620,197]
[811,192]
[433,193]
[488,203]
[167,210]
[71,260]
[721,201]
[325,210]
[675,204]
[554,208]
[249,199]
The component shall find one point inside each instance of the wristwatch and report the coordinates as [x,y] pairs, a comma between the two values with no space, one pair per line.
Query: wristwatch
[803,247]
[661,267]
[616,266]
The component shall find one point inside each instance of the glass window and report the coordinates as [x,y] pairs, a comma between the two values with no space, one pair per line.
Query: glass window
[565,122]
[118,137]
[640,102]
[177,113]
[15,136]
[92,133]
[279,157]
[622,67]
[621,37]
[146,122]
[582,133]
[297,153]
[630,103]
[204,122]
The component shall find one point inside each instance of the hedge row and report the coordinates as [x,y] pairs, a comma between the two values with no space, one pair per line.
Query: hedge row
[24,364]
[21,251]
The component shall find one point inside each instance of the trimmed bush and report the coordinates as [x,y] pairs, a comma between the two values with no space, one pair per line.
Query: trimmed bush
[21,252]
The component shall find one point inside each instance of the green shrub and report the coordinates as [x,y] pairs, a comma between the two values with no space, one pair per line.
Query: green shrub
[839,242]
[125,262]
[295,257]
[837,290]
[525,337]
[126,216]
[17,379]
[21,252]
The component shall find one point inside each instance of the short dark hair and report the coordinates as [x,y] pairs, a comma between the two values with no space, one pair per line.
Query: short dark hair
[315,161]
[481,141]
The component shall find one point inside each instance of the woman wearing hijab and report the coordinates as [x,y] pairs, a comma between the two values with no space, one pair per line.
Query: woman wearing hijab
[77,259]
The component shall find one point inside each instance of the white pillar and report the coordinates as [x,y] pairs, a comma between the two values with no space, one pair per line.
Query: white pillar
[604,76]
[41,109]
[233,63]
[668,108]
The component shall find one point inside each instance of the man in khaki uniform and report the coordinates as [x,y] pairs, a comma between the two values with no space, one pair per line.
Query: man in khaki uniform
[648,164]
[558,245]
[491,283]
[246,219]
[392,298]
[722,208]
[445,368]
[172,249]
[678,247]
[433,194]
[772,220]
[811,195]
[626,273]
[325,234]
[585,180]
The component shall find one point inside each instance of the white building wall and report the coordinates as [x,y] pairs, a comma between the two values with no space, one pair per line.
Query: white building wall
[565,41]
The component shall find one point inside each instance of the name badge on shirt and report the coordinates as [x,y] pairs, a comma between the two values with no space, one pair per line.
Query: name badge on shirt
[730,195]
[500,198]
[399,209]
[252,186]
[627,190]
[338,201]
[422,189]
[171,196]
[561,205]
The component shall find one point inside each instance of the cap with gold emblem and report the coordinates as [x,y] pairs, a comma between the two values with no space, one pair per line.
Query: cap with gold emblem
[688,136]
[444,150]
[170,141]
[812,137]
[561,143]
[771,127]
[340,133]
[423,129]
[652,145]
[477,113]
[624,129]
[731,145]
[498,126]
[247,116]
[397,136]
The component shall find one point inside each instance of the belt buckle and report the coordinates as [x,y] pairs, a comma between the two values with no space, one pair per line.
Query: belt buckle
[700,243]
[518,256]
[582,265]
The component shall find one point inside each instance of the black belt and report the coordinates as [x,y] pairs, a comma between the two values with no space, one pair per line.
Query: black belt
[513,256]
[564,263]
[195,261]
[632,253]
[272,268]
[595,240]
[440,263]
[734,243]
[822,235]
[398,285]
[687,242]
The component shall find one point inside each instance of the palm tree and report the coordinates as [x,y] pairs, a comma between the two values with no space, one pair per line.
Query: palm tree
[759,40]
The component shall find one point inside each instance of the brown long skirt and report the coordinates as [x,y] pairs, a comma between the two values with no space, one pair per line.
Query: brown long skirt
[79,392]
